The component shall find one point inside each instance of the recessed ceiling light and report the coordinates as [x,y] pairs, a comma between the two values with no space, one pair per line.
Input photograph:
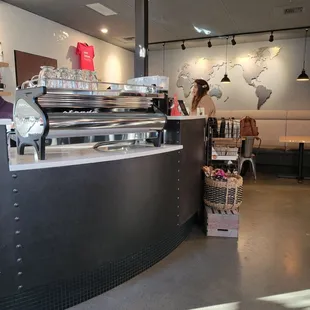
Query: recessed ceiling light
[101,9]
[202,30]
[104,30]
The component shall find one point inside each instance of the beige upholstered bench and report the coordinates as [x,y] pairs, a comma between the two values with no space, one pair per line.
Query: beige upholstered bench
[275,123]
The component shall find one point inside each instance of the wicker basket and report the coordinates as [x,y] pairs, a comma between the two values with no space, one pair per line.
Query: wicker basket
[222,195]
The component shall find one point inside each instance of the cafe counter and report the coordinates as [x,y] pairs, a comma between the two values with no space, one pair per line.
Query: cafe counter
[83,221]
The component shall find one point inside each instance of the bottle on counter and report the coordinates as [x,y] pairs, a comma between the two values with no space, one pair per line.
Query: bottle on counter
[227,128]
[232,127]
[222,128]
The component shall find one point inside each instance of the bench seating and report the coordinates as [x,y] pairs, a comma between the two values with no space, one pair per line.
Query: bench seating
[275,123]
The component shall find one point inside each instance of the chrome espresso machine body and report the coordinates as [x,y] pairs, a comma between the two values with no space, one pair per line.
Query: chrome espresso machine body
[42,113]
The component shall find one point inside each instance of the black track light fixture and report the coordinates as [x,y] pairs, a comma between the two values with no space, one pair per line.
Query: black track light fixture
[183,46]
[209,44]
[226,79]
[303,77]
[233,41]
[271,38]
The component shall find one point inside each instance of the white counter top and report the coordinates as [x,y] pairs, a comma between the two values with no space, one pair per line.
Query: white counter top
[79,154]
[5,121]
[186,118]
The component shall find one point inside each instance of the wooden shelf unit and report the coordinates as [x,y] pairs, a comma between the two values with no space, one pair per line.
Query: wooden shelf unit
[3,64]
[5,93]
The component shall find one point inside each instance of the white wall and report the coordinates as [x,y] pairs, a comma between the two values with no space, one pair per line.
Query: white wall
[24,31]
[279,73]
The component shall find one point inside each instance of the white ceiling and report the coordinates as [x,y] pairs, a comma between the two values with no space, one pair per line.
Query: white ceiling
[171,20]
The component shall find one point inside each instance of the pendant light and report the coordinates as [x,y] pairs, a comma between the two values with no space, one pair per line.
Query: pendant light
[233,41]
[226,79]
[303,77]
[271,38]
[183,47]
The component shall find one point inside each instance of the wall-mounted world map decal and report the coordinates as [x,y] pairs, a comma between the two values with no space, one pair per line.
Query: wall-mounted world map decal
[251,66]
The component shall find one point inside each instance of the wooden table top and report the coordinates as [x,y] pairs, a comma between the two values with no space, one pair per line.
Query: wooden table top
[295,139]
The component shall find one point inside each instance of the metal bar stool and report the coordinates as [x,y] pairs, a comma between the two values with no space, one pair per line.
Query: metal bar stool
[247,153]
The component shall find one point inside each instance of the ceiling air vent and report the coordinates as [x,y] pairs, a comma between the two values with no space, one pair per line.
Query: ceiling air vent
[125,40]
[129,39]
[101,9]
[296,10]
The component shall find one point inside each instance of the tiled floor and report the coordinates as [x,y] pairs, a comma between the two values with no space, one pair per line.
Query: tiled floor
[271,257]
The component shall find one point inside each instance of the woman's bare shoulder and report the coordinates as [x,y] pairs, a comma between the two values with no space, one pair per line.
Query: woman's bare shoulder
[206,99]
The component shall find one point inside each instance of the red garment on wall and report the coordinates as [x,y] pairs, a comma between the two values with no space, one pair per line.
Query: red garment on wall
[87,54]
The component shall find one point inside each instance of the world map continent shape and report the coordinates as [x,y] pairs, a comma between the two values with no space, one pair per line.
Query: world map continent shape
[252,66]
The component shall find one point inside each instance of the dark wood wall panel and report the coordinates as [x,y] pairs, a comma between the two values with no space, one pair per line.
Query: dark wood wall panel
[27,65]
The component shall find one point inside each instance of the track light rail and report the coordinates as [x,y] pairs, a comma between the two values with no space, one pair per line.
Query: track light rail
[230,35]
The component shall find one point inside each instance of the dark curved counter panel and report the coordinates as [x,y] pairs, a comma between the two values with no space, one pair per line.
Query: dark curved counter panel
[72,232]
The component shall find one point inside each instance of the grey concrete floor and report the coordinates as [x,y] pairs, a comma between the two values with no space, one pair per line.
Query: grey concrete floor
[271,257]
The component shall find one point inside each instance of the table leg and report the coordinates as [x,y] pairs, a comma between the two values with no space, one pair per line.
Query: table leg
[300,177]
[301,162]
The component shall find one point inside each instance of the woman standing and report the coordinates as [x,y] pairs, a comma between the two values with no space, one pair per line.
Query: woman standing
[202,103]
[6,109]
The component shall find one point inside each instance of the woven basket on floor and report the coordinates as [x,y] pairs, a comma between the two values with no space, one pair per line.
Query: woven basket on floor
[222,195]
